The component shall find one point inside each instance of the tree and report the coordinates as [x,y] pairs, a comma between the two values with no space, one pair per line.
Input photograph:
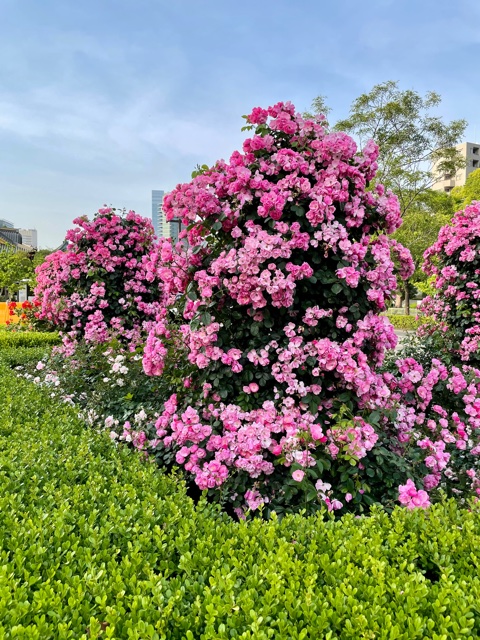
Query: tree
[463,196]
[319,107]
[15,268]
[421,224]
[416,147]
[40,255]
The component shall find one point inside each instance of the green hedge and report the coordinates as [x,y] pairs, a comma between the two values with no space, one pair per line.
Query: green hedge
[27,339]
[15,356]
[96,543]
[405,323]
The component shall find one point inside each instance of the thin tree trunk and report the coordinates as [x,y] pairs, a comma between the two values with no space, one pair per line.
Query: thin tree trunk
[407,298]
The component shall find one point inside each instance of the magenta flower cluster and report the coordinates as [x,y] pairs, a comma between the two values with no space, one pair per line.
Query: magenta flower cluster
[289,270]
[108,282]
[454,260]
[437,423]
[265,324]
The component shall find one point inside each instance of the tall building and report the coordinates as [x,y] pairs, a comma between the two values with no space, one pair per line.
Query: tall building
[157,212]
[470,152]
[163,229]
[29,237]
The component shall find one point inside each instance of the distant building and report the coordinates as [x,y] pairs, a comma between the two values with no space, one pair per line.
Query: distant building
[163,229]
[157,212]
[29,237]
[470,152]
[10,237]
[11,240]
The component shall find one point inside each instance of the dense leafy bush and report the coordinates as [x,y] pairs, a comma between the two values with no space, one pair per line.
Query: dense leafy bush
[107,283]
[96,543]
[411,345]
[21,357]
[106,383]
[27,339]
[405,323]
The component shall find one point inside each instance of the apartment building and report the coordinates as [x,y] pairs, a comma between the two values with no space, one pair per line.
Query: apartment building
[470,151]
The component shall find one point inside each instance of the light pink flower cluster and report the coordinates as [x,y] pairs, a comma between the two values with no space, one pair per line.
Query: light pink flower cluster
[355,440]
[244,439]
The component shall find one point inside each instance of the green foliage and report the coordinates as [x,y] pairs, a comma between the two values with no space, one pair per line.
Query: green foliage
[405,323]
[319,106]
[15,267]
[14,356]
[423,349]
[421,224]
[463,196]
[426,286]
[40,255]
[27,339]
[96,543]
[411,138]
[108,381]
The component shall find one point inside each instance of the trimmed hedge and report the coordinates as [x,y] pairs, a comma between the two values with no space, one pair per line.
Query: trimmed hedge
[96,543]
[27,339]
[404,323]
[16,357]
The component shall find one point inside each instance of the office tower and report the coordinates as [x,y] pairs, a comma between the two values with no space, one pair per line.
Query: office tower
[157,213]
[163,229]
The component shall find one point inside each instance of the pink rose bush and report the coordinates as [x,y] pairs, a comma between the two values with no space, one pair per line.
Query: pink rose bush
[262,372]
[111,281]
[290,268]
[454,260]
[436,424]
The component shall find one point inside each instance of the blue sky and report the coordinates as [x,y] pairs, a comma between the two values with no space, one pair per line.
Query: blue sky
[102,101]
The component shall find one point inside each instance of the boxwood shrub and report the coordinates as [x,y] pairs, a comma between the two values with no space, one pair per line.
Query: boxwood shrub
[404,323]
[19,356]
[27,339]
[96,543]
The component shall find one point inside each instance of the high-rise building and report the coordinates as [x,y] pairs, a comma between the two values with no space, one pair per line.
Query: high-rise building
[470,152]
[157,212]
[163,229]
[29,237]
